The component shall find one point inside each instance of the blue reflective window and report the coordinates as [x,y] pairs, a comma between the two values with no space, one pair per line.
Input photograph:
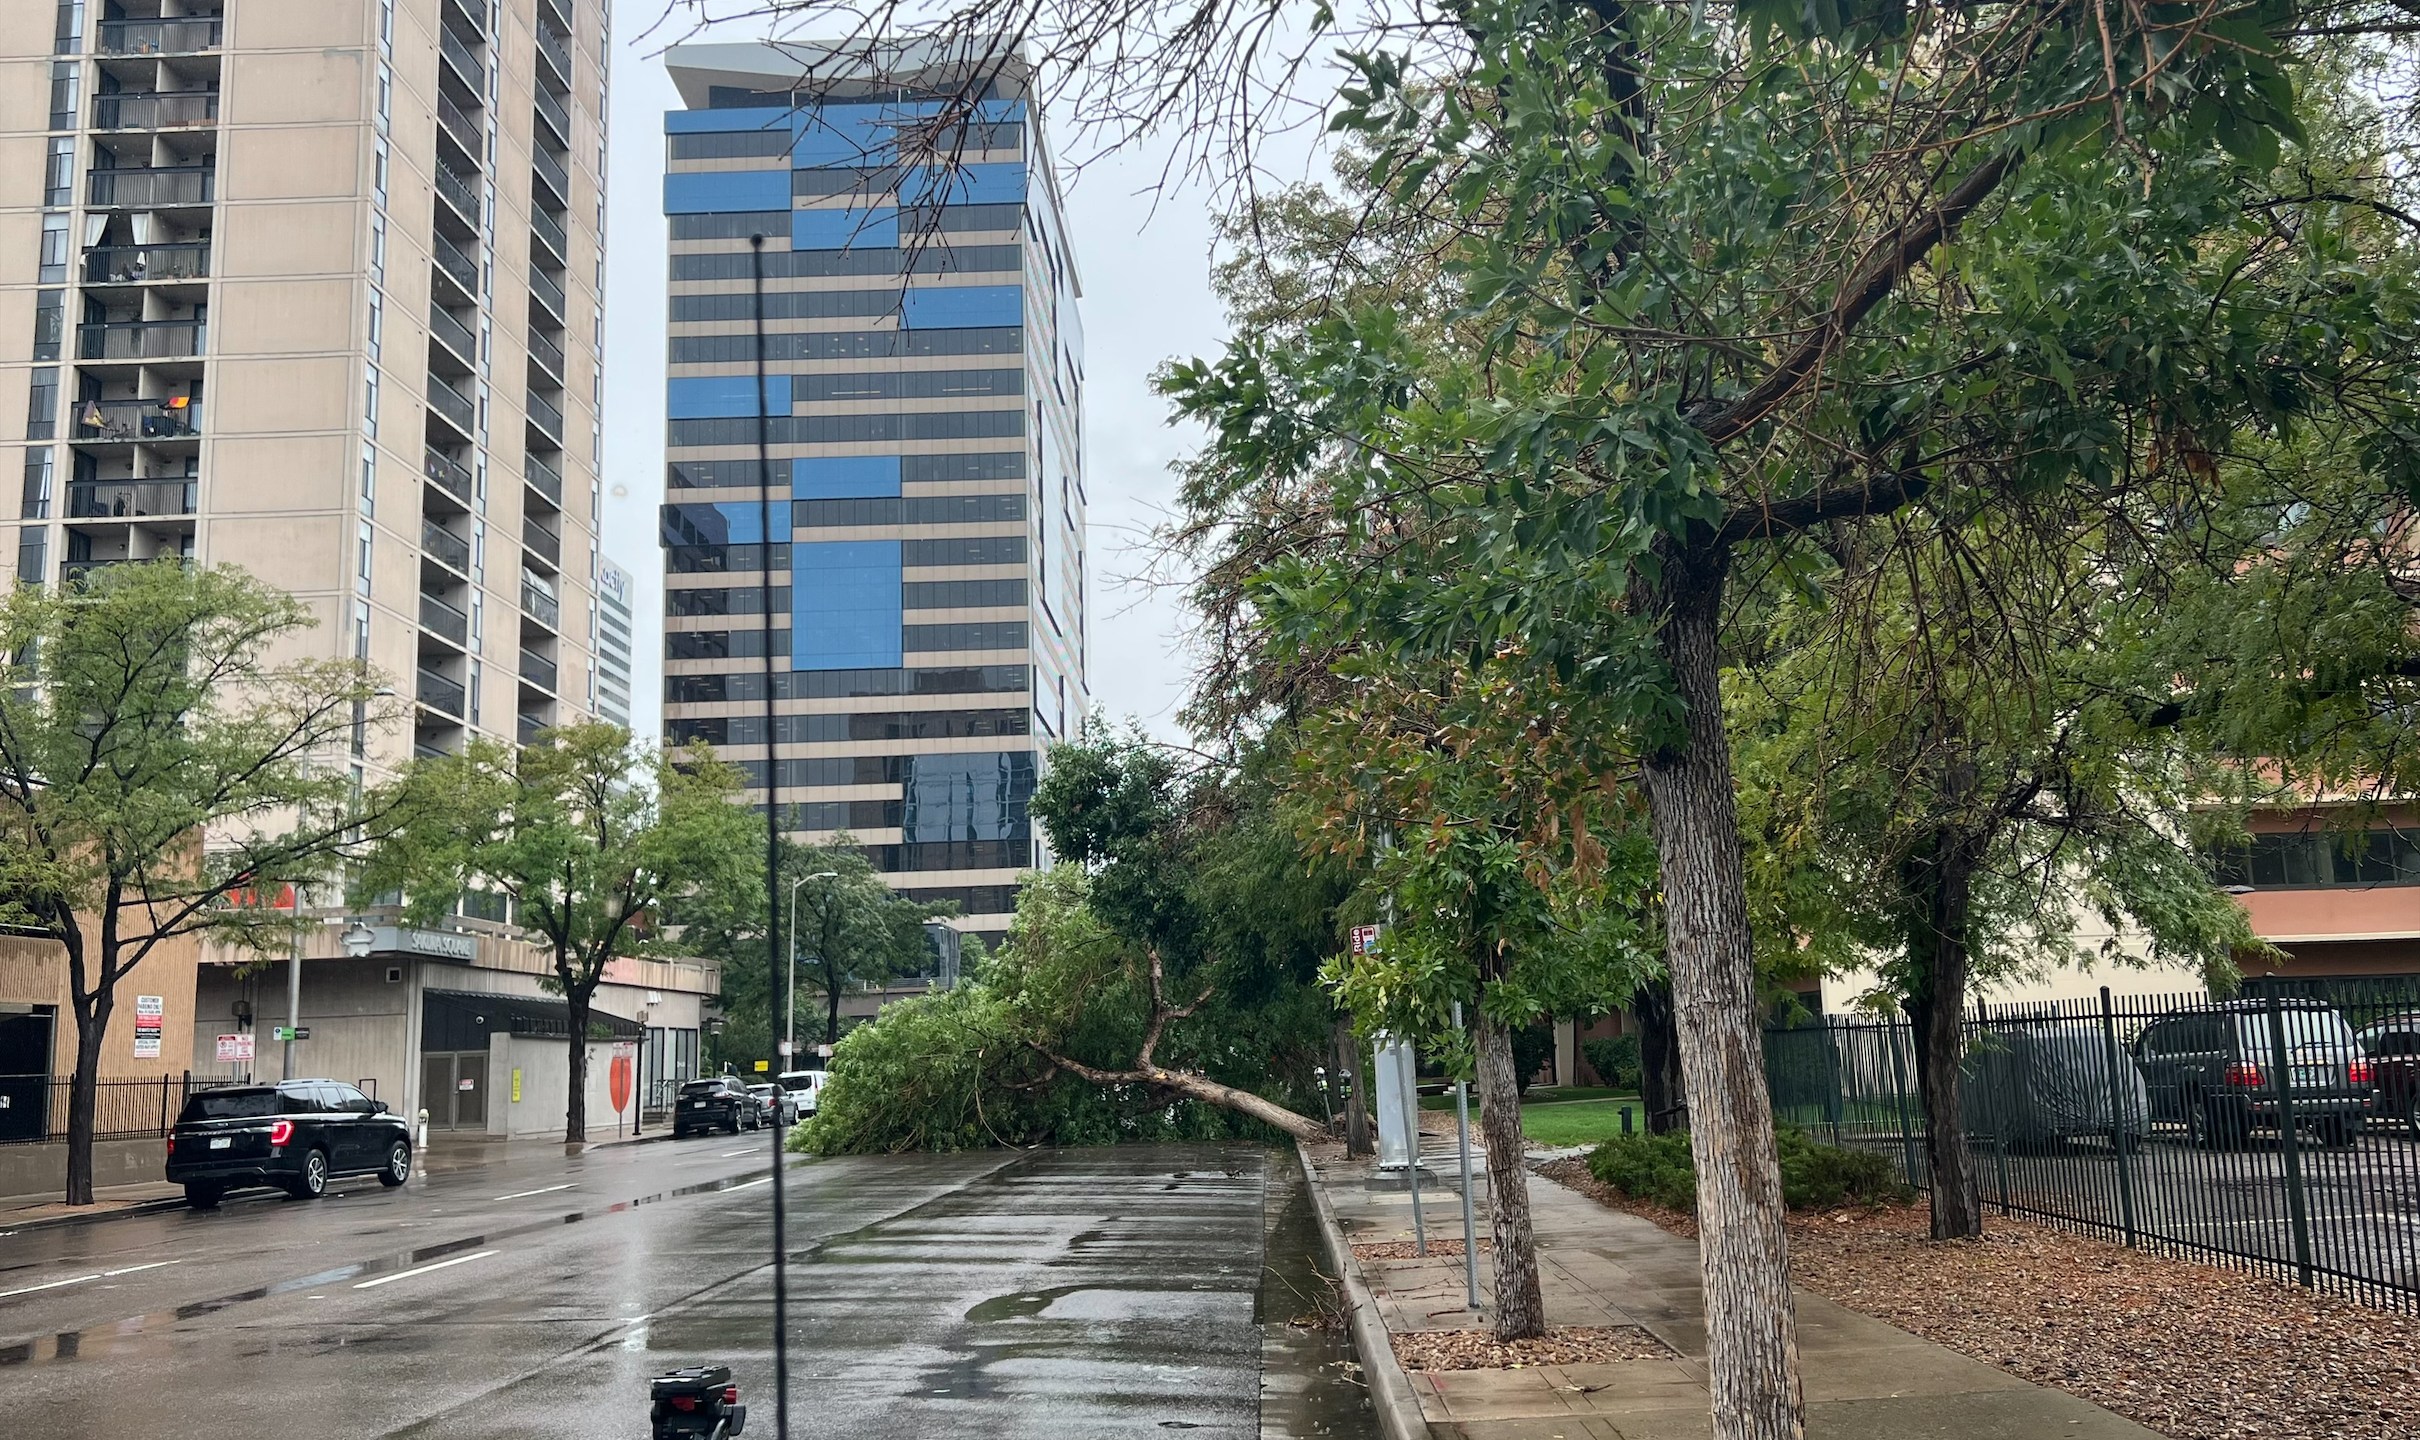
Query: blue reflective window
[1001,183]
[718,522]
[758,117]
[967,797]
[711,191]
[845,604]
[845,477]
[724,397]
[961,307]
[871,229]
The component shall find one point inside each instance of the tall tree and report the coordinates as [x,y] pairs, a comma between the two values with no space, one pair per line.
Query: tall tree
[587,834]
[154,758]
[852,928]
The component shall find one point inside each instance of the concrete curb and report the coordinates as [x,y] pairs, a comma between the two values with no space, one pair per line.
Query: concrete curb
[1391,1394]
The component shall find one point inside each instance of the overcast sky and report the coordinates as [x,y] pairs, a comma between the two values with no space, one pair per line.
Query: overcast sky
[1144,258]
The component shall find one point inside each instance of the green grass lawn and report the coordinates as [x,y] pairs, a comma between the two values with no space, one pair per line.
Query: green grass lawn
[1579,1122]
[1542,1095]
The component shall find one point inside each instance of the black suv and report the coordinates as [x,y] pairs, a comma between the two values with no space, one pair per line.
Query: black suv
[295,1136]
[720,1103]
[2213,1068]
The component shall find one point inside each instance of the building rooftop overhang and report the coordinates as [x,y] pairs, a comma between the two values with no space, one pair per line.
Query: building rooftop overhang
[849,69]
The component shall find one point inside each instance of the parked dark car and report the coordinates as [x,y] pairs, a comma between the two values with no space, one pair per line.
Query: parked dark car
[2393,1048]
[2212,1068]
[295,1135]
[719,1103]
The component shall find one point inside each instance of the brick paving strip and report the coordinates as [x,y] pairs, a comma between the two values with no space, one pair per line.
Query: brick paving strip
[1605,1270]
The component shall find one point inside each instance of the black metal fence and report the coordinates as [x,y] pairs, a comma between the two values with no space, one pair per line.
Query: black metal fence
[2279,1130]
[33,1108]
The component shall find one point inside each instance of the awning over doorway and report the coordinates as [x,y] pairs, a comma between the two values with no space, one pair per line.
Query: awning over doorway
[463,1019]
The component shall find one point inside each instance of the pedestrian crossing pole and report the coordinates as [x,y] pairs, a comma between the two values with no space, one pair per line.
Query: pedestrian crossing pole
[1411,1107]
[1470,1223]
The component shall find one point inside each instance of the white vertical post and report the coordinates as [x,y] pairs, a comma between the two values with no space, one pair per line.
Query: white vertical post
[1470,1223]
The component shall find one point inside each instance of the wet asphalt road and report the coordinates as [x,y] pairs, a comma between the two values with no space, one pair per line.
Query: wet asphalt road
[1055,1293]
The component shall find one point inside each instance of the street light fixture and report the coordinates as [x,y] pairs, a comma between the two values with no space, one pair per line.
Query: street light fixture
[790,1030]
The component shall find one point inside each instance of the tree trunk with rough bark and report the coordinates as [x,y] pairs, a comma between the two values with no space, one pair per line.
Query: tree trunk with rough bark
[1743,1249]
[576,1001]
[1940,883]
[1348,1071]
[1520,1307]
[83,1093]
[1659,1058]
[1201,1087]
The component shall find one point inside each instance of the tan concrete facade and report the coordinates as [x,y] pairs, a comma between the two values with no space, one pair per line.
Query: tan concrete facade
[311,287]
[36,1000]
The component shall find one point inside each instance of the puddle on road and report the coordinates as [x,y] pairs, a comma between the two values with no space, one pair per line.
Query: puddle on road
[1310,1383]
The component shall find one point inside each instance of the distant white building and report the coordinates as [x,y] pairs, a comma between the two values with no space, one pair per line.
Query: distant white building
[615,650]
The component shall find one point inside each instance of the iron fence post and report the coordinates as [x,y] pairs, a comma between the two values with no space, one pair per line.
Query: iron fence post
[2288,1144]
[2121,1128]
[1907,1133]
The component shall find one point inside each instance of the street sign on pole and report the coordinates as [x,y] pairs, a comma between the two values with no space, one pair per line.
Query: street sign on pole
[1365,939]
[235,1049]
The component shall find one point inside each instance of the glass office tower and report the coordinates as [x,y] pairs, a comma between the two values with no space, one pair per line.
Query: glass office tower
[923,409]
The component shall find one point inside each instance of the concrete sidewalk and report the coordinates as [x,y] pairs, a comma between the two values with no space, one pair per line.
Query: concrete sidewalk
[1864,1380]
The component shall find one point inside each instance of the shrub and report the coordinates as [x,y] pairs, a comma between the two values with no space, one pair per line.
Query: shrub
[1615,1058]
[1532,1048]
[1657,1169]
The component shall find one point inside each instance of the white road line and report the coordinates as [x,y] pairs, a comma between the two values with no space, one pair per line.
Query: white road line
[751,1150]
[548,1190]
[422,1270]
[53,1285]
[744,1184]
[131,1269]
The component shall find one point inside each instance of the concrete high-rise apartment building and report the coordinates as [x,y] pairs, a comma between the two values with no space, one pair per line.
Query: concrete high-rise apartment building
[617,653]
[923,408]
[311,287]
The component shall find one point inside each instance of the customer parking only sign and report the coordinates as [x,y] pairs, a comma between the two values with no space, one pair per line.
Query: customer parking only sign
[147,1012]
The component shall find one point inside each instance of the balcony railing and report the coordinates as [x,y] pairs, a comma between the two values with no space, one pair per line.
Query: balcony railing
[459,267]
[553,111]
[441,694]
[559,11]
[547,353]
[131,264]
[466,62]
[163,419]
[444,546]
[161,37]
[449,474]
[465,132]
[527,728]
[131,499]
[542,543]
[443,620]
[471,13]
[458,192]
[557,51]
[453,405]
[546,417]
[141,340]
[543,478]
[541,606]
[455,336]
[155,110]
[152,186]
[552,171]
[550,231]
[549,292]
[539,671]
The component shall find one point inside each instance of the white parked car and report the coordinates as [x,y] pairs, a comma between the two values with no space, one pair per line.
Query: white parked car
[803,1087]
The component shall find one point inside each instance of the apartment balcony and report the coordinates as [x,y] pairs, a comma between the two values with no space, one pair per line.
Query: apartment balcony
[132,499]
[456,407]
[457,267]
[462,61]
[550,233]
[129,421]
[142,340]
[459,193]
[162,37]
[455,337]
[440,694]
[140,264]
[540,605]
[152,187]
[155,110]
[445,547]
[555,51]
[553,174]
[527,728]
[539,671]
[471,15]
[545,418]
[543,478]
[543,543]
[546,355]
[548,292]
[456,125]
[555,113]
[444,621]
[558,11]
[449,475]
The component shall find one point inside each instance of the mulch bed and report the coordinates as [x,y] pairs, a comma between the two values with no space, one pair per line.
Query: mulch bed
[2193,1351]
[1480,1350]
[1410,1250]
